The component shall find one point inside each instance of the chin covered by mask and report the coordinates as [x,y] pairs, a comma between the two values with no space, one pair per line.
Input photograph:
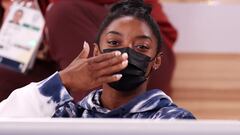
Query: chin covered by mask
[134,73]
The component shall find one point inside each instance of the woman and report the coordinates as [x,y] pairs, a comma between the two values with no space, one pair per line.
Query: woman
[128,48]
[71,22]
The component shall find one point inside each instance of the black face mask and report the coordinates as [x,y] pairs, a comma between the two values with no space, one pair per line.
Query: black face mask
[134,73]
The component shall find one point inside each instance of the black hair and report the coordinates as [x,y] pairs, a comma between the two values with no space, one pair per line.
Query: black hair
[134,8]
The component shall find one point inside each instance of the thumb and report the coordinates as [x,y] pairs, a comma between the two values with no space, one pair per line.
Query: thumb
[85,52]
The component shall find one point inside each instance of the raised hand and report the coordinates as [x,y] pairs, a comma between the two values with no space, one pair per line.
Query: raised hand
[86,73]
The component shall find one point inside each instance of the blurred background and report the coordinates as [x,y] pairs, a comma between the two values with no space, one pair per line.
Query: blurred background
[207,75]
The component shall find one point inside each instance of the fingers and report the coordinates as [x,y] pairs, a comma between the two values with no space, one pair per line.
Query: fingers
[85,52]
[108,79]
[111,69]
[109,62]
[103,57]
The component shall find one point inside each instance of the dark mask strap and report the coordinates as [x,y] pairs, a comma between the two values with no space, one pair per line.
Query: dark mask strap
[161,53]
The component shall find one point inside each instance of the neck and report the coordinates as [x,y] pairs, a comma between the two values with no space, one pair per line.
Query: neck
[113,99]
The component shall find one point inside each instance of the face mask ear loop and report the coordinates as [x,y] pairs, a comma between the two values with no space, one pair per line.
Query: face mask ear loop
[155,56]
[147,77]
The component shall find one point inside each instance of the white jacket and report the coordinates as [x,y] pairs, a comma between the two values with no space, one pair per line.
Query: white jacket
[36,99]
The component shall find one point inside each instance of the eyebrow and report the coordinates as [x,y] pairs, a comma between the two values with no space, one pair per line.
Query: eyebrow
[144,37]
[114,32]
[138,37]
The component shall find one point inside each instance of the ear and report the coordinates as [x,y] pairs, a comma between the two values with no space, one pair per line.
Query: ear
[96,50]
[157,61]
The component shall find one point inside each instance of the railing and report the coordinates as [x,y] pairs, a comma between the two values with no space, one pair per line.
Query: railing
[116,127]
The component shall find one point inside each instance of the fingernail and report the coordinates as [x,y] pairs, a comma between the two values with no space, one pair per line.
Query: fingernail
[125,62]
[125,56]
[85,44]
[118,76]
[117,53]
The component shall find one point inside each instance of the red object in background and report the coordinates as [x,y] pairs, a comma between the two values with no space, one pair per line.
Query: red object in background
[168,31]
[43,5]
[1,13]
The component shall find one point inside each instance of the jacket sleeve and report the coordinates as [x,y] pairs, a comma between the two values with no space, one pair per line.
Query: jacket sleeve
[36,99]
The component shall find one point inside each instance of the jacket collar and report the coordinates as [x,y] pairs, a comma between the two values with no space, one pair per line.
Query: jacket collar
[150,100]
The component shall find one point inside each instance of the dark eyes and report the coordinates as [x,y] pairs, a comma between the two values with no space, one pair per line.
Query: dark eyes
[142,47]
[113,43]
[138,46]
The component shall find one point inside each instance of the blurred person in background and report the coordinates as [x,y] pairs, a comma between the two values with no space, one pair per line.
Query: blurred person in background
[69,23]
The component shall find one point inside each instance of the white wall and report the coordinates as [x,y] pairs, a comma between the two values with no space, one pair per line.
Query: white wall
[204,28]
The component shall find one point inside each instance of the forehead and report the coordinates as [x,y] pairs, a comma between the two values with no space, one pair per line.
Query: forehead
[130,26]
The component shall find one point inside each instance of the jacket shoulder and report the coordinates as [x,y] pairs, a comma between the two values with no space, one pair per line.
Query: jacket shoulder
[173,112]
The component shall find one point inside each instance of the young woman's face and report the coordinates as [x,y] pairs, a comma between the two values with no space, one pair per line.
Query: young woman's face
[133,33]
[129,32]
